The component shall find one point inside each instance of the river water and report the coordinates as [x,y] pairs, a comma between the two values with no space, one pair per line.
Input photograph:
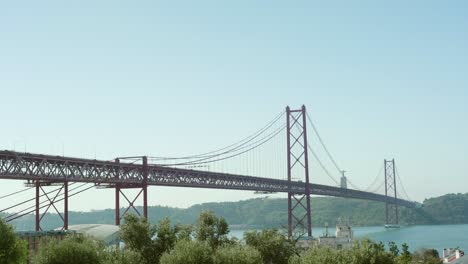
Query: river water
[417,237]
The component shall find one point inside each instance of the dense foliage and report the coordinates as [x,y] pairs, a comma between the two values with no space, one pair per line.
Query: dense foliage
[212,229]
[118,256]
[207,243]
[188,252]
[267,213]
[138,236]
[365,252]
[12,249]
[79,249]
[72,250]
[237,254]
[272,245]
[150,241]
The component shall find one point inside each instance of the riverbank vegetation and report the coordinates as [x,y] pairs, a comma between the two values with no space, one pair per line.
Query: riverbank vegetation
[12,249]
[205,242]
[272,213]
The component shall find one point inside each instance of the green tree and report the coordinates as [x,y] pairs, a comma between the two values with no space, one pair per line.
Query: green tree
[166,235]
[272,245]
[362,252]
[426,256]
[393,248]
[118,256]
[188,252]
[405,256]
[237,254]
[183,232]
[71,250]
[137,234]
[151,241]
[368,252]
[12,249]
[212,229]
[320,255]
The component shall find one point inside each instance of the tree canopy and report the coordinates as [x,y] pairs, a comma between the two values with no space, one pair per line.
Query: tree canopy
[272,245]
[206,242]
[71,250]
[12,249]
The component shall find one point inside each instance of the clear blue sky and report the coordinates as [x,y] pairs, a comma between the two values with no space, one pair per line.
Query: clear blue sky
[381,79]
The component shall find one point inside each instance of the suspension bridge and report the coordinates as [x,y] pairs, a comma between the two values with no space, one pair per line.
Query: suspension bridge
[274,159]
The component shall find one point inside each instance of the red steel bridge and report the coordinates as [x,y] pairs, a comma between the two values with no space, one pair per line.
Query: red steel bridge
[139,172]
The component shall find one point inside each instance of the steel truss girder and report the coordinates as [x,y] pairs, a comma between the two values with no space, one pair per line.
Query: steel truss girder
[26,166]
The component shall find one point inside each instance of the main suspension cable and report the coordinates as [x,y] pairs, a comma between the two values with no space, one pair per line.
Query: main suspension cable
[323,143]
[401,183]
[324,168]
[322,165]
[210,160]
[376,179]
[235,145]
[378,187]
[314,128]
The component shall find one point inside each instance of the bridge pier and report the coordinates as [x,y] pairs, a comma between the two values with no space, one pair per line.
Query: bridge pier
[51,202]
[143,187]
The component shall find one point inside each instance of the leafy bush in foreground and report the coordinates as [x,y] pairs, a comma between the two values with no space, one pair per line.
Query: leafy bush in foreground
[272,245]
[12,249]
[188,252]
[71,250]
[237,254]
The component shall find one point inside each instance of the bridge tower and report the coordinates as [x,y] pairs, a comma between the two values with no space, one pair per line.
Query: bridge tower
[343,180]
[299,212]
[391,210]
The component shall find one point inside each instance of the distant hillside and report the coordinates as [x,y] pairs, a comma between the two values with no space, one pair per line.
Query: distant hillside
[447,209]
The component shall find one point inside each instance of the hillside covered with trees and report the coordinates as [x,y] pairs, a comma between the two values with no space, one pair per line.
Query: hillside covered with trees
[268,212]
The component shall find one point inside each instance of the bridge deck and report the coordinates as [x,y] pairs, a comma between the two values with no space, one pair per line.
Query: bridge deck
[27,166]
